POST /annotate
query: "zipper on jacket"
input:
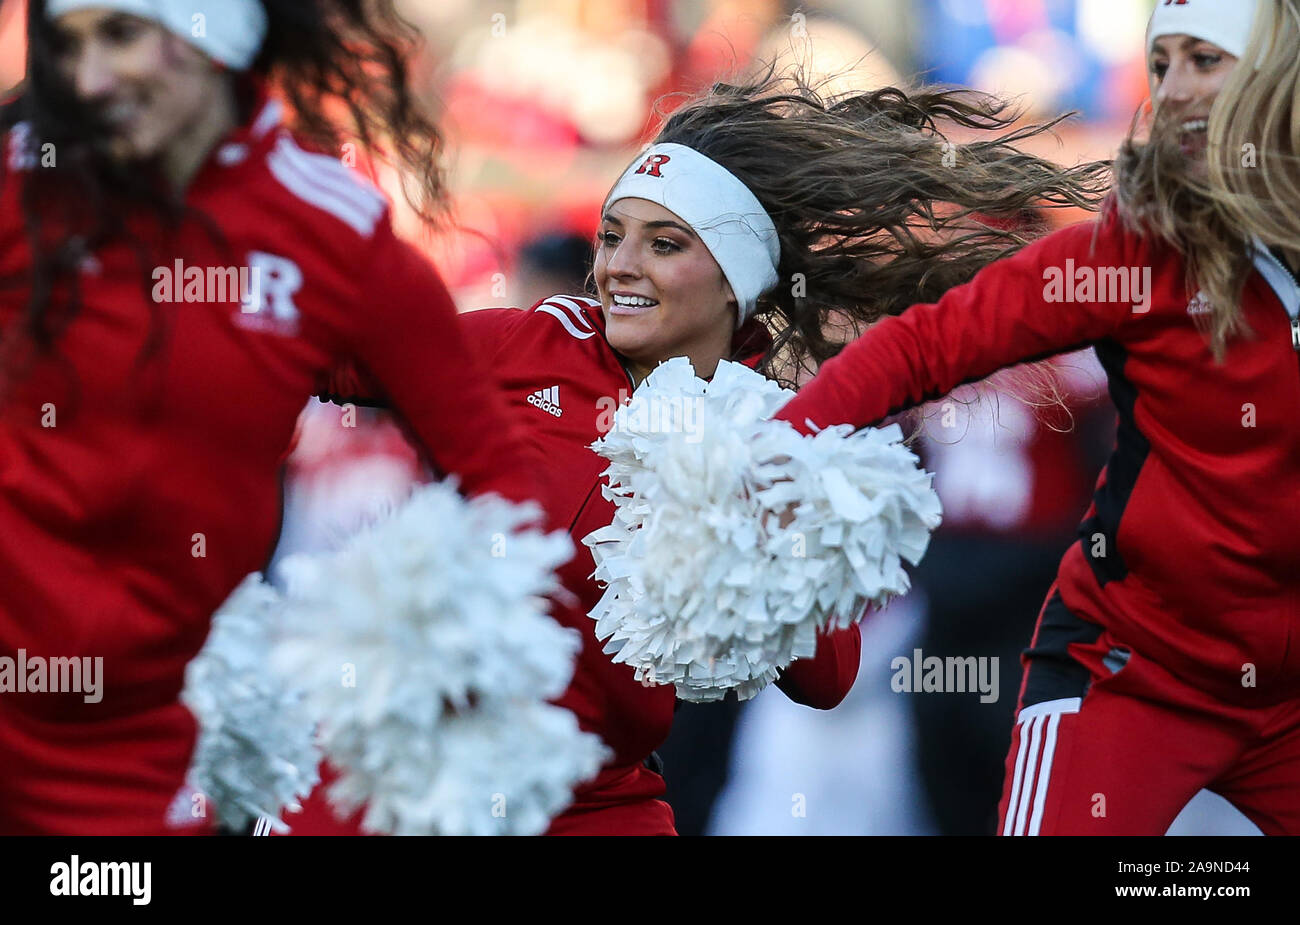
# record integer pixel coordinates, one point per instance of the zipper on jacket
(1273, 258)
(1294, 279)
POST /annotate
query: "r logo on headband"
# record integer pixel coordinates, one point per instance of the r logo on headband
(728, 218)
(650, 166)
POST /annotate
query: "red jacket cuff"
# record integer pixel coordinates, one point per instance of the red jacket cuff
(823, 681)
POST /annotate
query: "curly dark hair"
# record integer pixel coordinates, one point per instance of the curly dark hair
(875, 208)
(340, 66)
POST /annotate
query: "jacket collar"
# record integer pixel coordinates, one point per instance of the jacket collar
(1276, 274)
(249, 142)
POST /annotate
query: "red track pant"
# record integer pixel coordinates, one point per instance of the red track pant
(1107, 742)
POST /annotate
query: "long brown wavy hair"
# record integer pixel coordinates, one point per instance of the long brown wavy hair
(1253, 182)
(341, 66)
(875, 207)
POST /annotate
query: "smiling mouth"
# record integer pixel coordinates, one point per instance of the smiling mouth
(120, 115)
(1194, 143)
(1192, 135)
(625, 304)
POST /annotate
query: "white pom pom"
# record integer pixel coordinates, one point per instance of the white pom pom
(705, 590)
(502, 768)
(256, 753)
(426, 647)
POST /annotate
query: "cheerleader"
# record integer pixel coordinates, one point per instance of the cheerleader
(1166, 655)
(749, 231)
(181, 268)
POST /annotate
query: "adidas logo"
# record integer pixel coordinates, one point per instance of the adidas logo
(547, 399)
(1200, 305)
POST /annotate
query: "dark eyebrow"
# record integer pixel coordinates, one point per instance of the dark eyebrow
(662, 224)
(680, 227)
(118, 16)
(58, 34)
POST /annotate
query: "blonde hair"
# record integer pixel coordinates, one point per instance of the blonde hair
(1253, 186)
(1254, 143)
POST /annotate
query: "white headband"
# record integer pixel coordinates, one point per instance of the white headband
(1226, 23)
(719, 208)
(228, 31)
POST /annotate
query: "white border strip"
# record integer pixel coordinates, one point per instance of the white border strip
(1031, 778)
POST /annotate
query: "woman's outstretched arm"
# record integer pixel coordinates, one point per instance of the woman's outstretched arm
(413, 345)
(1013, 311)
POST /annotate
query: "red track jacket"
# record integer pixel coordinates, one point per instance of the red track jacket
(1190, 551)
(560, 373)
(137, 490)
(556, 367)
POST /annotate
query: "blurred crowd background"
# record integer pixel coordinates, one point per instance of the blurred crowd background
(543, 103)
